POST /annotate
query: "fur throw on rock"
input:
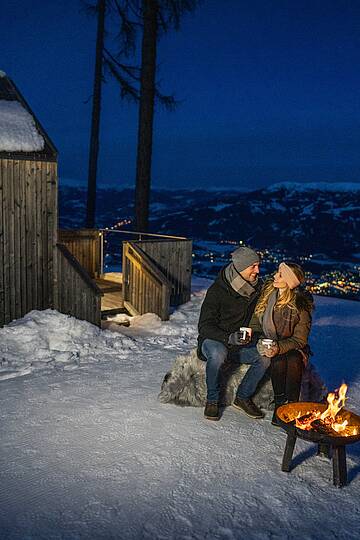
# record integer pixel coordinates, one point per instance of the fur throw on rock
(185, 384)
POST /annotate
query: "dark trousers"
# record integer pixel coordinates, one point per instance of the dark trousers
(286, 374)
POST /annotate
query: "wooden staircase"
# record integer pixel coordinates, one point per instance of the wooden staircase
(112, 301)
(156, 275)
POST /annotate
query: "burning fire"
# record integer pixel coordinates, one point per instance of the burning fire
(328, 419)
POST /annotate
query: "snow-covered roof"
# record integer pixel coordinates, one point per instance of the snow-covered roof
(18, 132)
(21, 134)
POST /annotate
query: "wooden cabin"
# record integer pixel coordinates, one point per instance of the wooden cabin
(28, 208)
(35, 271)
(41, 267)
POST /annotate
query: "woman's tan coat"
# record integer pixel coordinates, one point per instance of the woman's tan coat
(292, 325)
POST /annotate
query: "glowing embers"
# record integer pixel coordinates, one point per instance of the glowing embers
(331, 420)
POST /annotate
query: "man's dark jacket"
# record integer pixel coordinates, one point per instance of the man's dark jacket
(224, 311)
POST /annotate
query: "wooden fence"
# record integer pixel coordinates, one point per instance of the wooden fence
(85, 245)
(174, 259)
(28, 228)
(76, 293)
(145, 287)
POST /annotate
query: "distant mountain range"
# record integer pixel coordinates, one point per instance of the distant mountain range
(306, 218)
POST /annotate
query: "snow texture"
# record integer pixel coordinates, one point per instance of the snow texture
(2, 73)
(18, 131)
(89, 452)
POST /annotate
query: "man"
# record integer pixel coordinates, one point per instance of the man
(229, 304)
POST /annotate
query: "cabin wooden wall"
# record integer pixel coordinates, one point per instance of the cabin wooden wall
(28, 231)
(174, 259)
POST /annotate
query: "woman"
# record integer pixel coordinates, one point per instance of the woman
(284, 312)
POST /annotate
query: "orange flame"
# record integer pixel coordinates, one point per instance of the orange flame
(336, 401)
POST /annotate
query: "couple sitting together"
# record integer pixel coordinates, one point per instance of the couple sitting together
(277, 320)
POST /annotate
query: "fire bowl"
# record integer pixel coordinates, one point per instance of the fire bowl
(289, 412)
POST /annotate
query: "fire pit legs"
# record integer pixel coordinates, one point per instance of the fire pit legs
(324, 450)
(289, 450)
(312, 422)
(339, 466)
(338, 458)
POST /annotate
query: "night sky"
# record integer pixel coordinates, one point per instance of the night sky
(269, 92)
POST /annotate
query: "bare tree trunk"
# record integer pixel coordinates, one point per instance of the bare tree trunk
(146, 114)
(95, 119)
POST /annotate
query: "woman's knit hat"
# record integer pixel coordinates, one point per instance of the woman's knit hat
(289, 276)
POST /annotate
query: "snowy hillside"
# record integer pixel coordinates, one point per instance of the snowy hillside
(336, 187)
(286, 216)
(87, 450)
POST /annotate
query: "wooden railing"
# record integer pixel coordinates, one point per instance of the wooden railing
(85, 246)
(145, 287)
(76, 293)
(173, 258)
(172, 255)
(156, 268)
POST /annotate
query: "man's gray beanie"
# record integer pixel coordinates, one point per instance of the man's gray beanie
(244, 257)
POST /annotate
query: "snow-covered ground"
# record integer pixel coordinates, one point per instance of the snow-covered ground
(88, 452)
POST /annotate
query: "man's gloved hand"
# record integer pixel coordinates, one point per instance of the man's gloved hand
(235, 339)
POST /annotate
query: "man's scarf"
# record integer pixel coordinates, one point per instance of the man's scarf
(238, 283)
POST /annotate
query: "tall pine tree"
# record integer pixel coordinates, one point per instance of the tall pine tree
(150, 10)
(95, 118)
(151, 18)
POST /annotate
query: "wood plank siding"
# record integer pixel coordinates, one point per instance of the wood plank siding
(174, 259)
(85, 245)
(28, 229)
(77, 294)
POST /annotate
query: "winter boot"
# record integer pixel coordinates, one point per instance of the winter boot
(249, 407)
(212, 411)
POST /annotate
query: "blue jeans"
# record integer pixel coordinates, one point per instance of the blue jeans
(216, 354)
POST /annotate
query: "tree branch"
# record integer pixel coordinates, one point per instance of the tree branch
(127, 90)
(129, 70)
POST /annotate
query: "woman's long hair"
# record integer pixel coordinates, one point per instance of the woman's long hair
(286, 299)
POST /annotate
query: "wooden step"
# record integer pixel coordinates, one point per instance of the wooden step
(108, 286)
(112, 300)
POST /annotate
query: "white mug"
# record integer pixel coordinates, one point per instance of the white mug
(244, 332)
(267, 342)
